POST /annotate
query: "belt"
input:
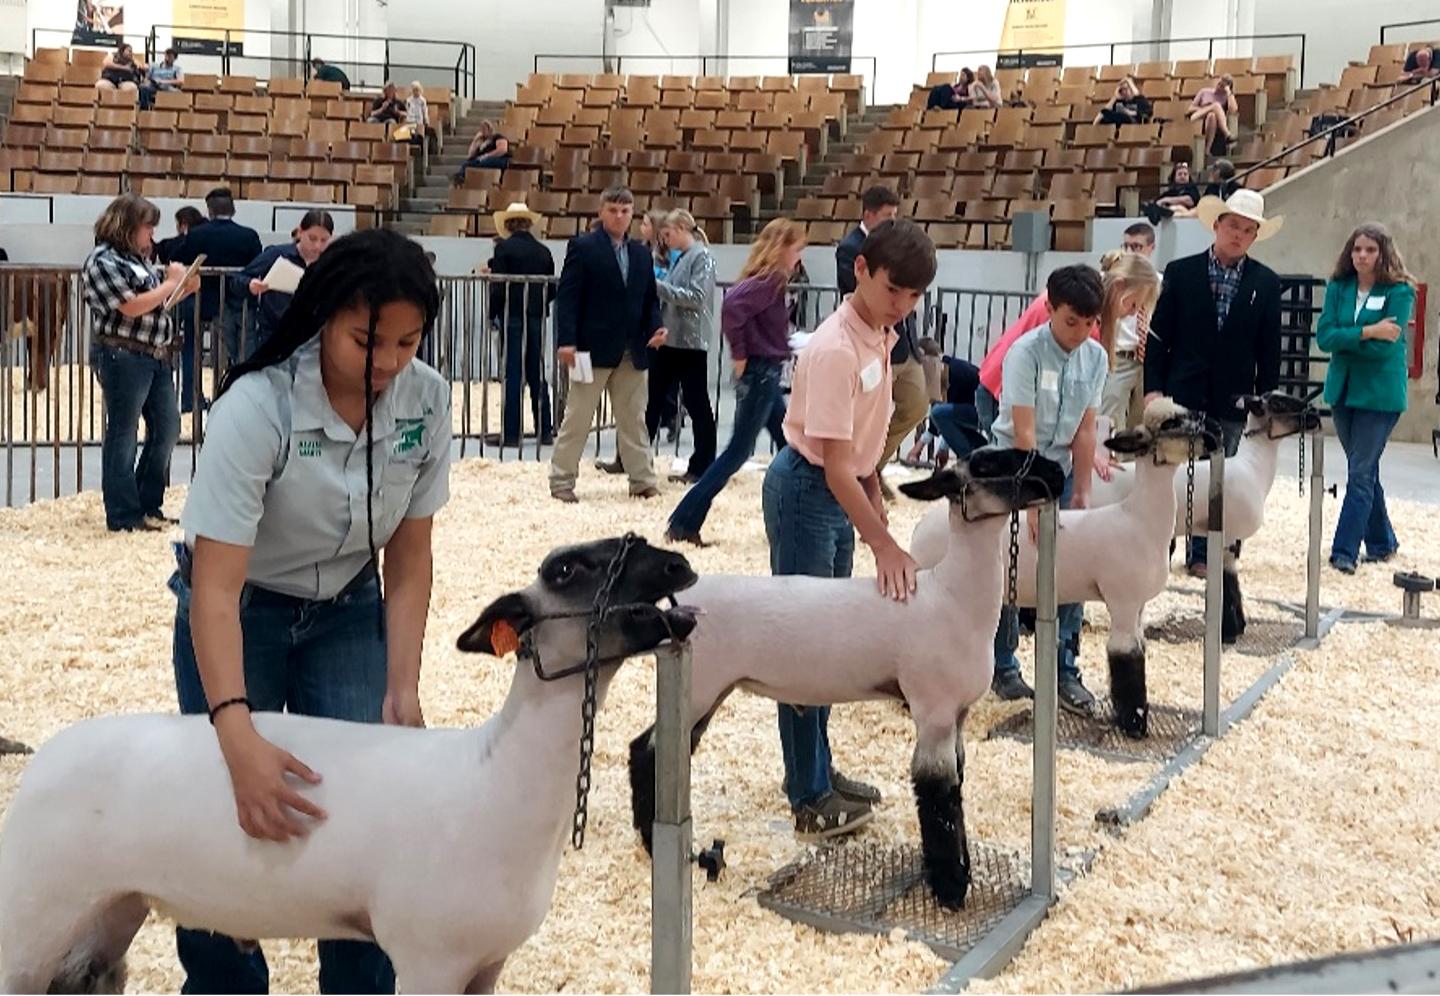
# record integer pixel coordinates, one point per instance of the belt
(274, 599)
(162, 353)
(1126, 354)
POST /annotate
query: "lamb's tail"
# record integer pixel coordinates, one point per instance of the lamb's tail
(81, 971)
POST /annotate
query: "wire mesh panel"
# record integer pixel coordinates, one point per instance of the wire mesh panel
(875, 888)
(1172, 729)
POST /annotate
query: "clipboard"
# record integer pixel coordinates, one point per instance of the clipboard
(190, 271)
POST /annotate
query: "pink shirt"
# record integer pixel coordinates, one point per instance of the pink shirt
(1031, 318)
(841, 390)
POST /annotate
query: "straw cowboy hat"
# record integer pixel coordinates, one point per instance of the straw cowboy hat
(518, 209)
(1247, 204)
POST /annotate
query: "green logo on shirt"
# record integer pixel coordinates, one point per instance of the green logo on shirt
(412, 434)
(309, 447)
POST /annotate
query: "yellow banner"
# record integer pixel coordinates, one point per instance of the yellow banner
(1037, 29)
(200, 24)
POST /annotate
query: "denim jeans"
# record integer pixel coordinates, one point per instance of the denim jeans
(1068, 620)
(809, 534)
(950, 421)
(185, 318)
(1363, 516)
(523, 358)
(313, 659)
(686, 368)
(758, 405)
(482, 162)
(987, 407)
(1196, 553)
(135, 387)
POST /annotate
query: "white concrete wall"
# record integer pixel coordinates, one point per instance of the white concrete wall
(1339, 31)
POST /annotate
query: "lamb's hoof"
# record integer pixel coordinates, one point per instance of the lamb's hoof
(950, 889)
(8, 746)
(1229, 633)
(1134, 722)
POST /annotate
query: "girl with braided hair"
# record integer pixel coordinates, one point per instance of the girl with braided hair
(331, 443)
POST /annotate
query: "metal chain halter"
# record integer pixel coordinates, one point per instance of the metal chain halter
(1190, 494)
(588, 705)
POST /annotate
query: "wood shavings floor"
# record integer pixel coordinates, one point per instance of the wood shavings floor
(1304, 832)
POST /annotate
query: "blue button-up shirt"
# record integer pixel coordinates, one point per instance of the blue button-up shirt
(1224, 284)
(1060, 386)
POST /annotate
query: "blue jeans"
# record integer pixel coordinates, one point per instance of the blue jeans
(809, 533)
(987, 408)
(949, 420)
(1363, 517)
(523, 359)
(313, 659)
(482, 162)
(758, 405)
(1068, 619)
(135, 387)
(1199, 546)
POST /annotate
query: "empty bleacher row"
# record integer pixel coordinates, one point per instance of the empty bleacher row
(283, 140)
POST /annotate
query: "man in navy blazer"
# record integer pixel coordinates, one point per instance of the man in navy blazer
(1215, 334)
(606, 306)
(223, 242)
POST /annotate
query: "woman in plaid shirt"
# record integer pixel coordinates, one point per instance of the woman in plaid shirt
(132, 346)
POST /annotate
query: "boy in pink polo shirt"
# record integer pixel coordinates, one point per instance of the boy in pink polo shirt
(823, 486)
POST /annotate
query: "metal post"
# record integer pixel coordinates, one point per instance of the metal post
(670, 885)
(1317, 525)
(1042, 793)
(1214, 577)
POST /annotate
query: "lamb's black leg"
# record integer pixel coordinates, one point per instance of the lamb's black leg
(944, 847)
(1232, 606)
(1127, 687)
(642, 785)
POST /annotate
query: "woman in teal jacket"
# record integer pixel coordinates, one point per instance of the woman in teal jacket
(1368, 304)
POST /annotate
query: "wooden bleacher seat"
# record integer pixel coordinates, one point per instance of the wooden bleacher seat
(322, 89)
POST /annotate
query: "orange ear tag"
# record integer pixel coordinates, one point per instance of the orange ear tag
(503, 638)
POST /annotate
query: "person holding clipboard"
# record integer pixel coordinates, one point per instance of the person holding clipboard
(133, 346)
(284, 265)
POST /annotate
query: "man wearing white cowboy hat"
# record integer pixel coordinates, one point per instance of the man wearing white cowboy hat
(1215, 334)
(518, 307)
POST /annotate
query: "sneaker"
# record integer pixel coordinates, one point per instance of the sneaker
(830, 816)
(1009, 686)
(650, 492)
(1379, 558)
(143, 526)
(1343, 564)
(1075, 697)
(1197, 570)
(567, 495)
(161, 519)
(850, 789)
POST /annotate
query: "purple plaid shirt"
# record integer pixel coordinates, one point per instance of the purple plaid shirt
(1224, 284)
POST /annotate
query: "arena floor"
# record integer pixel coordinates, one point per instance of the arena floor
(1307, 830)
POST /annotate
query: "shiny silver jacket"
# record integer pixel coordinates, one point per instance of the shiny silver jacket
(687, 299)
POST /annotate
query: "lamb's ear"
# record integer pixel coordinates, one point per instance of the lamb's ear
(1130, 441)
(941, 484)
(498, 627)
(1250, 403)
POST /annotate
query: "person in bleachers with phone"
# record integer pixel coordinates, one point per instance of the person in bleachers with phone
(163, 75)
(1420, 65)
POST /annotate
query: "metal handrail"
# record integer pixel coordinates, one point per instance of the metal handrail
(704, 60)
(1406, 24)
(1112, 45)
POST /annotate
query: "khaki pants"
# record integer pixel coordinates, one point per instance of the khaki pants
(912, 404)
(1123, 399)
(628, 396)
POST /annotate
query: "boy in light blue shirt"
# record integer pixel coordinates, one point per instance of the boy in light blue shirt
(1053, 380)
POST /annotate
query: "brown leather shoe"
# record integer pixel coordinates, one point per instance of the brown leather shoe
(613, 467)
(567, 495)
(650, 492)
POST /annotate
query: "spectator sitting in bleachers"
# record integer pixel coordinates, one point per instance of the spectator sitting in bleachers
(1212, 107)
(1222, 180)
(488, 149)
(326, 73)
(120, 71)
(1126, 107)
(1179, 198)
(951, 96)
(985, 91)
(164, 75)
(417, 110)
(1420, 65)
(387, 108)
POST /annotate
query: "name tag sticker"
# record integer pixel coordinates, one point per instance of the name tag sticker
(1049, 380)
(1375, 302)
(870, 376)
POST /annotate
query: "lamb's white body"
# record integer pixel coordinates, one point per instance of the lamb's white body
(442, 845)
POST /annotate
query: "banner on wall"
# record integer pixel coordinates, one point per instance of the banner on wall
(200, 26)
(1037, 29)
(821, 33)
(98, 22)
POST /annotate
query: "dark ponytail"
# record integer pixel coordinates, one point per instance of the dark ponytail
(373, 267)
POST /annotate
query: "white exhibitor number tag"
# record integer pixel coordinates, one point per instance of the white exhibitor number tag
(870, 376)
(1376, 302)
(1049, 380)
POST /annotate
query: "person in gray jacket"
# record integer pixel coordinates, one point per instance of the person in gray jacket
(687, 302)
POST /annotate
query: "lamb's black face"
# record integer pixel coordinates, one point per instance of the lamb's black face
(649, 573)
(1180, 436)
(993, 481)
(1289, 415)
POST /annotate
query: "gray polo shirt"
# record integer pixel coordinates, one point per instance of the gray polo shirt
(1060, 386)
(281, 473)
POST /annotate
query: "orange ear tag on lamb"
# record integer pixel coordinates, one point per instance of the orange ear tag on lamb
(503, 638)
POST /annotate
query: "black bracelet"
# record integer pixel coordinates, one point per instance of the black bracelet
(239, 700)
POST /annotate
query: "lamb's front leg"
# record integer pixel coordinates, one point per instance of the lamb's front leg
(1126, 652)
(937, 771)
(1232, 607)
(642, 775)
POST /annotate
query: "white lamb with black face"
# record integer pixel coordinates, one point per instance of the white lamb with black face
(442, 846)
(819, 641)
(1117, 554)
